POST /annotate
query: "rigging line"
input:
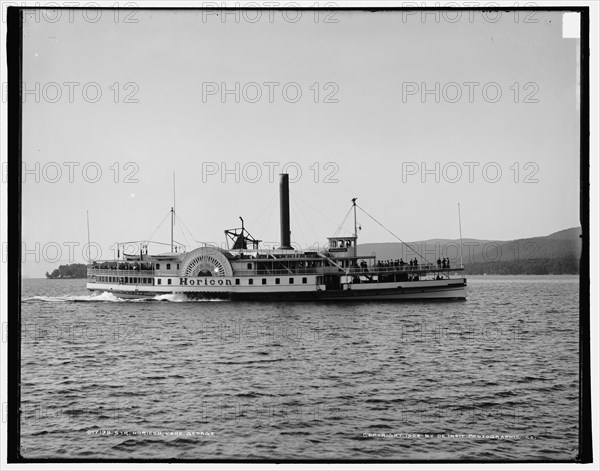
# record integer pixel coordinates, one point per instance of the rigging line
(295, 219)
(392, 234)
(201, 242)
(318, 239)
(312, 207)
(299, 226)
(267, 223)
(267, 206)
(185, 227)
(160, 225)
(182, 226)
(337, 231)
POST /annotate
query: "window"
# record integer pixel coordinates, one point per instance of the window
(159, 281)
(178, 266)
(237, 281)
(168, 266)
(264, 281)
(249, 266)
(291, 281)
(277, 281)
(250, 281)
(131, 279)
(158, 266)
(169, 281)
(304, 281)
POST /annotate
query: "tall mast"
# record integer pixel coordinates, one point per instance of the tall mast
(173, 213)
(460, 233)
(355, 228)
(87, 213)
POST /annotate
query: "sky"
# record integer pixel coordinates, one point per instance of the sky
(408, 114)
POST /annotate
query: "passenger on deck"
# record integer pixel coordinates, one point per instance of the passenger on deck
(439, 263)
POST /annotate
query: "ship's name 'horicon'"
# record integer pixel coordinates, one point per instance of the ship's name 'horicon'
(203, 282)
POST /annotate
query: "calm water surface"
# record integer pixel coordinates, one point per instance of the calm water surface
(112, 379)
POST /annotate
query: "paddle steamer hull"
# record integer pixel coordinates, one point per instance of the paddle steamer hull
(452, 289)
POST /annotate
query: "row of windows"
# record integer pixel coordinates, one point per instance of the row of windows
(136, 280)
(277, 281)
(168, 266)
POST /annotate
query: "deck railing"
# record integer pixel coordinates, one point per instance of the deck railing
(120, 273)
(370, 270)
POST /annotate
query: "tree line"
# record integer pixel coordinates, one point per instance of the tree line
(73, 270)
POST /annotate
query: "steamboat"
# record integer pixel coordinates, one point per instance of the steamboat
(248, 272)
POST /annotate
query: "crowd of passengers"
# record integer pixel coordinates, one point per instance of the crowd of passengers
(443, 263)
(135, 266)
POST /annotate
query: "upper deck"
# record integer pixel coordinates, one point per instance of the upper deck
(259, 263)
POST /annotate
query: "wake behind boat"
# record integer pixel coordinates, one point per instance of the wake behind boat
(247, 272)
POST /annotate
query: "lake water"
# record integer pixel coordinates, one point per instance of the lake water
(494, 377)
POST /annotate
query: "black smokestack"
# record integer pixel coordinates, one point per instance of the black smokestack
(284, 208)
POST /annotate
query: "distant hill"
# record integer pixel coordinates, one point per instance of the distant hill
(556, 253)
(73, 270)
